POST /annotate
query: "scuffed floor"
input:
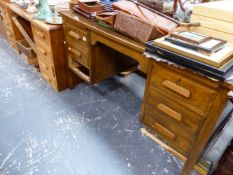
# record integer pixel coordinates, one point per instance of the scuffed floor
(90, 130)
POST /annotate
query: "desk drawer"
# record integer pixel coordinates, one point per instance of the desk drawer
(169, 134)
(187, 92)
(48, 69)
(78, 68)
(44, 54)
(76, 36)
(46, 75)
(41, 36)
(173, 113)
(81, 55)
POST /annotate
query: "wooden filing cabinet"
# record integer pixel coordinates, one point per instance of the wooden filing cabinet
(182, 108)
(91, 63)
(51, 56)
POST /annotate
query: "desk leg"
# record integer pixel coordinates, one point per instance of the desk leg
(206, 131)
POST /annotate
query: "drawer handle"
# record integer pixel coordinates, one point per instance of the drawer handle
(170, 112)
(75, 52)
(42, 51)
(41, 35)
(74, 35)
(164, 131)
(176, 88)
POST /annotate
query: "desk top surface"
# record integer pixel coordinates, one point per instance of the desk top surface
(109, 33)
(29, 17)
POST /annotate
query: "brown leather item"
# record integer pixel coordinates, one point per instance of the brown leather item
(108, 17)
(162, 23)
(81, 12)
(136, 28)
(90, 7)
(154, 4)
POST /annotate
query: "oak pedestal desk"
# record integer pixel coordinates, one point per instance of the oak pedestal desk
(180, 106)
(46, 40)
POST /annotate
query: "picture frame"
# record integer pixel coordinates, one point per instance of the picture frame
(191, 37)
(208, 47)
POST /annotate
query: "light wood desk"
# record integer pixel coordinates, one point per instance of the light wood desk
(46, 40)
(182, 107)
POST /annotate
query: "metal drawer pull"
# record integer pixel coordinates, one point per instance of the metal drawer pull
(74, 35)
(164, 131)
(75, 52)
(170, 112)
(176, 88)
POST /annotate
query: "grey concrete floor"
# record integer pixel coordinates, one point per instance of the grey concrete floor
(90, 130)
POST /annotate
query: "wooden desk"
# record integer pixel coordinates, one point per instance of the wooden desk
(46, 40)
(181, 106)
(108, 37)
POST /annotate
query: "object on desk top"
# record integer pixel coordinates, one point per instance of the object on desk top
(221, 73)
(220, 10)
(44, 10)
(208, 47)
(136, 28)
(90, 7)
(191, 37)
(216, 59)
(79, 11)
(161, 21)
(54, 20)
(108, 17)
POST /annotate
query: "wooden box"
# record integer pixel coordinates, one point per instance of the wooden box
(135, 28)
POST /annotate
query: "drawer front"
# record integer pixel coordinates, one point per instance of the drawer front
(76, 36)
(187, 92)
(44, 54)
(78, 68)
(47, 69)
(169, 135)
(175, 114)
(81, 55)
(47, 77)
(41, 36)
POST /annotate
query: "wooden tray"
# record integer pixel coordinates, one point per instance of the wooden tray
(27, 52)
